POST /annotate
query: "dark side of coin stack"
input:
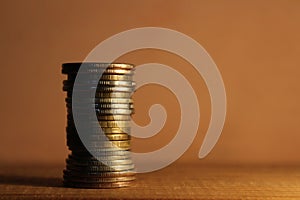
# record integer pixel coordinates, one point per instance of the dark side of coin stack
(113, 106)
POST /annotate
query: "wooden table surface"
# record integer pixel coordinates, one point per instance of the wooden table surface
(179, 181)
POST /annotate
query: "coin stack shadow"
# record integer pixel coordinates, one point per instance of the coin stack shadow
(104, 161)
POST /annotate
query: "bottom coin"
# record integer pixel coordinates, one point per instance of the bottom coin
(74, 184)
(98, 179)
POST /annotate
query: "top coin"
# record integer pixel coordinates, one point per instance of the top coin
(90, 66)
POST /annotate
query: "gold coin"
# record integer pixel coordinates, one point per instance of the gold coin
(107, 145)
(114, 117)
(118, 136)
(115, 130)
(114, 106)
(117, 83)
(109, 65)
(95, 128)
(108, 71)
(111, 144)
(113, 100)
(113, 94)
(114, 111)
(115, 89)
(114, 123)
(119, 71)
(103, 137)
(116, 77)
(121, 65)
(111, 137)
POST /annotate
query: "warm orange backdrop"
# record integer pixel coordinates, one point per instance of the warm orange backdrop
(256, 45)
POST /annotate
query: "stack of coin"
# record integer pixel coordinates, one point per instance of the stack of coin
(102, 159)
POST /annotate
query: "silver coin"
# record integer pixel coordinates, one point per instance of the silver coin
(71, 165)
(99, 158)
(98, 131)
(101, 100)
(100, 174)
(109, 144)
(99, 153)
(98, 179)
(100, 162)
(101, 106)
(73, 184)
(102, 117)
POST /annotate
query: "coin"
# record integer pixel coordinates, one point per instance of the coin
(90, 87)
(115, 89)
(84, 111)
(116, 130)
(116, 77)
(70, 82)
(98, 179)
(102, 100)
(103, 142)
(79, 147)
(98, 130)
(99, 88)
(106, 124)
(99, 174)
(117, 83)
(100, 153)
(111, 137)
(99, 162)
(108, 144)
(101, 105)
(105, 71)
(92, 78)
(115, 117)
(113, 146)
(99, 158)
(114, 111)
(89, 94)
(95, 185)
(102, 117)
(97, 168)
(113, 94)
(95, 128)
(114, 123)
(74, 67)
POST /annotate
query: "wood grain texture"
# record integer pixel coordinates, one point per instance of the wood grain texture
(184, 181)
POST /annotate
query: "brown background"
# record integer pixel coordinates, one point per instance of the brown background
(256, 45)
